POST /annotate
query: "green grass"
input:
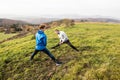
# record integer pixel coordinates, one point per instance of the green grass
(99, 44)
(5, 36)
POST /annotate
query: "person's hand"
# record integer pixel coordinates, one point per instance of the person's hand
(60, 42)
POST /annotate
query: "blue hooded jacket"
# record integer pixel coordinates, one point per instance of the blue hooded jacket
(41, 40)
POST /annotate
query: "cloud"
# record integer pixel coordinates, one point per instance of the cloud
(56, 7)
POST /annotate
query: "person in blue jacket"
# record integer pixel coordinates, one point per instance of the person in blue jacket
(41, 43)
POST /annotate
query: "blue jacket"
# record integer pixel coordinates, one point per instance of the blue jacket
(41, 40)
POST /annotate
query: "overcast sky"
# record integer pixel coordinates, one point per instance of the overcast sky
(59, 7)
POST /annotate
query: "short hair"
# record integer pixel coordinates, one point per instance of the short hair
(42, 26)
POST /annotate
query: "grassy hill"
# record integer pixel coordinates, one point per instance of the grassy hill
(5, 36)
(98, 59)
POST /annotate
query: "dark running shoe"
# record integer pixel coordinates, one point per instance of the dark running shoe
(58, 63)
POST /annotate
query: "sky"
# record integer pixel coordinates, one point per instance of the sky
(38, 8)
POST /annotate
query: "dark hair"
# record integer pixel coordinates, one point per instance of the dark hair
(42, 27)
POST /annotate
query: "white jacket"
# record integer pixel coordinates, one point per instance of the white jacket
(63, 37)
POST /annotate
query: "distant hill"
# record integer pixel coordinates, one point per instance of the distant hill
(46, 20)
(97, 20)
(10, 22)
(38, 20)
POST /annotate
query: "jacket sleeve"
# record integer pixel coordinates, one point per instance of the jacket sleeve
(63, 37)
(45, 40)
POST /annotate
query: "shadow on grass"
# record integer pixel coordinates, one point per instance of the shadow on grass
(85, 48)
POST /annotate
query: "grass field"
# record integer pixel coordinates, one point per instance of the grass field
(5, 36)
(98, 59)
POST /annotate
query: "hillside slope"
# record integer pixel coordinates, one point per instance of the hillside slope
(10, 22)
(5, 36)
(98, 59)
(107, 20)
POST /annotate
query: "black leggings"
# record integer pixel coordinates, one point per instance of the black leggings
(67, 42)
(45, 51)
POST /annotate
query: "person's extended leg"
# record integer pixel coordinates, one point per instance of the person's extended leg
(69, 43)
(33, 54)
(50, 55)
(56, 46)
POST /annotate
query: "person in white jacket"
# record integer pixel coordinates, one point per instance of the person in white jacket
(63, 39)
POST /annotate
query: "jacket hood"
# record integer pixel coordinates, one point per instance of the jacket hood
(40, 32)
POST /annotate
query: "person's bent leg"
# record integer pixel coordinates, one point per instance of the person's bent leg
(33, 54)
(69, 43)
